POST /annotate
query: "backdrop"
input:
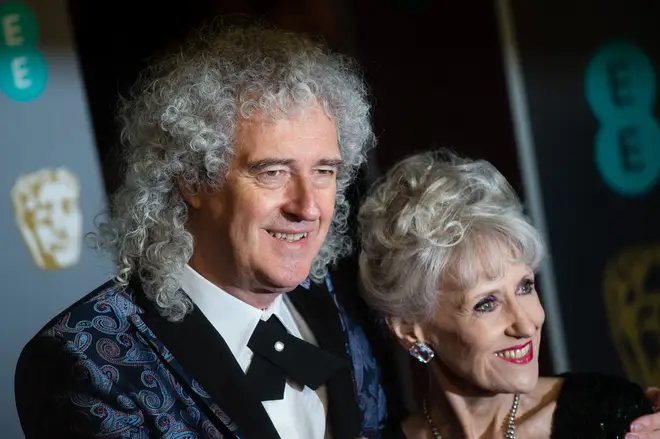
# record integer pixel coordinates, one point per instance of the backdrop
(50, 182)
(583, 82)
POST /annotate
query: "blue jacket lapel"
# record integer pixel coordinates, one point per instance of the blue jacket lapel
(317, 307)
(205, 356)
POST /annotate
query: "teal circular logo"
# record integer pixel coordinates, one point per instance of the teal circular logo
(628, 156)
(620, 88)
(23, 74)
(19, 26)
(23, 70)
(620, 79)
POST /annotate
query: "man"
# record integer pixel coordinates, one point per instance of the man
(239, 151)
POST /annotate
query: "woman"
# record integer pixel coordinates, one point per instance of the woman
(448, 259)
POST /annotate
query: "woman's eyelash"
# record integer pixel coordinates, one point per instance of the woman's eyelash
(489, 303)
(529, 284)
(486, 305)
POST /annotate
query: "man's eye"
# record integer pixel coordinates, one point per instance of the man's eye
(326, 171)
(272, 176)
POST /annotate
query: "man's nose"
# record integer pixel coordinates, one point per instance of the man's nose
(302, 200)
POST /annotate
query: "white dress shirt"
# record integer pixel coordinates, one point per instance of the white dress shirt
(301, 414)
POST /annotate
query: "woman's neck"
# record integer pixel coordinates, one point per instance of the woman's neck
(463, 413)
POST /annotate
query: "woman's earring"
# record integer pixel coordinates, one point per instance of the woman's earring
(421, 352)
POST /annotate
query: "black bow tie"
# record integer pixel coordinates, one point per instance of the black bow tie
(279, 355)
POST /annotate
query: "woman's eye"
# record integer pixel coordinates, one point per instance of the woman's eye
(486, 305)
(527, 287)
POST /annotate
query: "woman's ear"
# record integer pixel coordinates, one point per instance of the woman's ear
(406, 333)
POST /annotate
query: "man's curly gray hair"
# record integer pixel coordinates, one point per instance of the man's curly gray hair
(178, 126)
(439, 222)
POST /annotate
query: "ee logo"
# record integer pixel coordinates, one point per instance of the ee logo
(620, 86)
(23, 72)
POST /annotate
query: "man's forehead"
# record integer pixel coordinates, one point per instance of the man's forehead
(293, 147)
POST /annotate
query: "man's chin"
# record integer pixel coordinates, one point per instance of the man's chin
(283, 284)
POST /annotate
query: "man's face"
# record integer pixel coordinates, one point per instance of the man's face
(261, 231)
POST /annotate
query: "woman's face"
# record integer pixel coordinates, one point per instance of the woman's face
(488, 337)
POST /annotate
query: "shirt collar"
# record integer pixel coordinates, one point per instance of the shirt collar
(234, 319)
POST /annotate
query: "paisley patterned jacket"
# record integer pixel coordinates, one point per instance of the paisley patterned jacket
(110, 366)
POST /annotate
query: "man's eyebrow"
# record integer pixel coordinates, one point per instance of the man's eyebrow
(260, 165)
(334, 163)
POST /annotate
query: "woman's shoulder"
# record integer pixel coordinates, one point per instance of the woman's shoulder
(611, 390)
(597, 405)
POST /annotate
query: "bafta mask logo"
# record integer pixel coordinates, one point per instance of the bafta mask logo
(632, 300)
(47, 211)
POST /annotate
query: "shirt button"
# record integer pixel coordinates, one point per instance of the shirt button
(279, 346)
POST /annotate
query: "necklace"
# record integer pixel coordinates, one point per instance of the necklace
(511, 423)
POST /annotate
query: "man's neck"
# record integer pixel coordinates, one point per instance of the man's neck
(259, 299)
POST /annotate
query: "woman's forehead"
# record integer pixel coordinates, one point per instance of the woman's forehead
(485, 270)
(478, 258)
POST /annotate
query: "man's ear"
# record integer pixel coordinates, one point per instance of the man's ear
(406, 333)
(190, 194)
